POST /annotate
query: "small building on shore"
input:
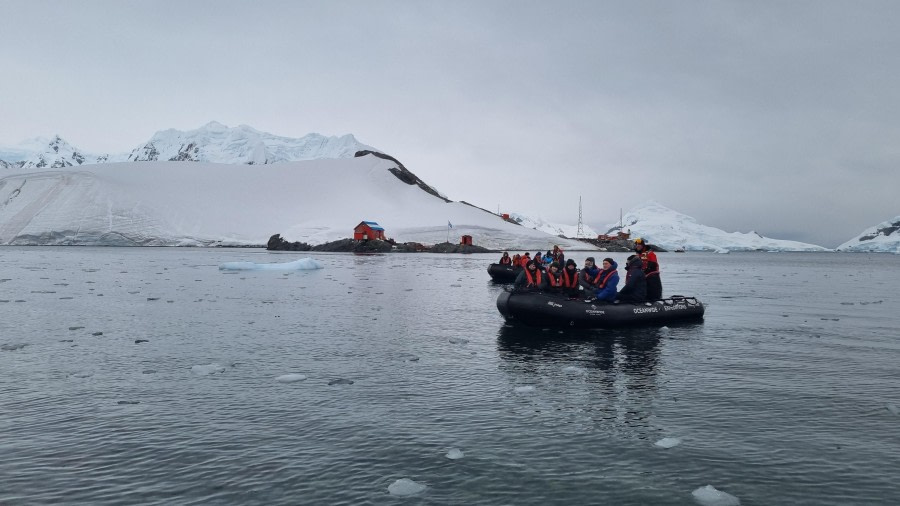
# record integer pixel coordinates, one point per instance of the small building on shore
(368, 230)
(466, 240)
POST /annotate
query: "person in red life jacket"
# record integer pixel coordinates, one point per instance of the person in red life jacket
(650, 266)
(635, 289)
(539, 260)
(554, 278)
(570, 279)
(606, 281)
(558, 255)
(505, 260)
(531, 278)
(516, 260)
(525, 259)
(588, 273)
(645, 251)
(654, 285)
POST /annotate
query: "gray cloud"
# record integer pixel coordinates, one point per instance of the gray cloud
(779, 117)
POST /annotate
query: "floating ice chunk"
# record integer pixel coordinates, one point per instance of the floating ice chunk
(304, 264)
(668, 442)
(892, 408)
(290, 378)
(340, 381)
(405, 487)
(206, 369)
(458, 340)
(455, 453)
(571, 369)
(525, 389)
(722, 251)
(709, 496)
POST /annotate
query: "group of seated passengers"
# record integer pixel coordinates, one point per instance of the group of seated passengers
(642, 280)
(542, 261)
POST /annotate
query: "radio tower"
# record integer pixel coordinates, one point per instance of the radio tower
(580, 232)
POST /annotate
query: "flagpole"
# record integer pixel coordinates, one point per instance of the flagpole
(448, 232)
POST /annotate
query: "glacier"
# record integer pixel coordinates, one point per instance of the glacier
(882, 238)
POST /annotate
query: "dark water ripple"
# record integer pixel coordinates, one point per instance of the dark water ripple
(779, 397)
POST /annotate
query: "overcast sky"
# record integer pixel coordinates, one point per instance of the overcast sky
(776, 116)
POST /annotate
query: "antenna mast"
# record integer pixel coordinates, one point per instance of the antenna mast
(580, 233)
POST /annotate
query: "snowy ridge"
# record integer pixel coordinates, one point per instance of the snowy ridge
(671, 230)
(882, 238)
(551, 228)
(213, 142)
(205, 204)
(217, 143)
(43, 153)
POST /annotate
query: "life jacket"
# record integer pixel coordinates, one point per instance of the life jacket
(568, 282)
(522, 261)
(554, 281)
(647, 255)
(600, 280)
(531, 279)
(505, 260)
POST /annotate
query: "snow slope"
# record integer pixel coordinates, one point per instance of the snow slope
(670, 229)
(171, 203)
(882, 238)
(552, 228)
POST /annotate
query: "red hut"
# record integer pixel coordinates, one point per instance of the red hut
(466, 240)
(368, 230)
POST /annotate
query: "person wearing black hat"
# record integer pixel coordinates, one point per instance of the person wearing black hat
(650, 266)
(570, 279)
(531, 278)
(635, 289)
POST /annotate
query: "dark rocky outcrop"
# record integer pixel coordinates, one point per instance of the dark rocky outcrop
(354, 246)
(402, 173)
(277, 243)
(447, 247)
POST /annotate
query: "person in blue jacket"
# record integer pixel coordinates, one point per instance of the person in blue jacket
(607, 280)
(635, 289)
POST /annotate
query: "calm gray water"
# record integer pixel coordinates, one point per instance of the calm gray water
(787, 393)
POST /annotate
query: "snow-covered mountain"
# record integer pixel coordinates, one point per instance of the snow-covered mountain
(552, 228)
(217, 143)
(172, 203)
(213, 142)
(671, 230)
(884, 238)
(45, 153)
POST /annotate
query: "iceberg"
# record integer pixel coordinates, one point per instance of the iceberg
(710, 496)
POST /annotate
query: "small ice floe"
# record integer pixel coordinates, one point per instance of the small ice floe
(525, 389)
(455, 453)
(206, 369)
(668, 442)
(574, 370)
(12, 347)
(709, 496)
(405, 487)
(892, 408)
(340, 381)
(458, 340)
(722, 251)
(304, 264)
(664, 329)
(408, 357)
(290, 378)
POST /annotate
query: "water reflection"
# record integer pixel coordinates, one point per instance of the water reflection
(607, 376)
